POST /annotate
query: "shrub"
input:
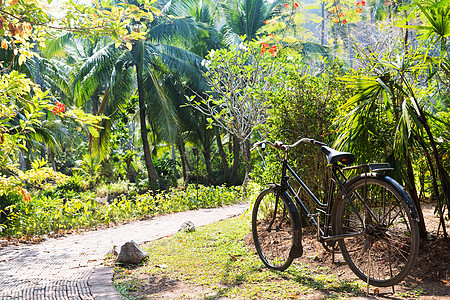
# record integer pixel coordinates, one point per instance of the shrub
(52, 214)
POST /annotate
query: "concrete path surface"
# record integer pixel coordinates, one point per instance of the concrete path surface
(71, 267)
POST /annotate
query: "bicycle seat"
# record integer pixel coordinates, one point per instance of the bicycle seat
(333, 156)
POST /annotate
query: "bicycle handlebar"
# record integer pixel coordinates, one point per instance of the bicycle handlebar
(281, 146)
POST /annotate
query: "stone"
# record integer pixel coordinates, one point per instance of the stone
(131, 253)
(187, 226)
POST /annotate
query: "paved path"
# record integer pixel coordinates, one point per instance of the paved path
(71, 267)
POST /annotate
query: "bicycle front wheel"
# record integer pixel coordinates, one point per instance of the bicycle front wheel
(384, 240)
(272, 222)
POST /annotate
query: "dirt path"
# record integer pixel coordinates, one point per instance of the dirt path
(71, 267)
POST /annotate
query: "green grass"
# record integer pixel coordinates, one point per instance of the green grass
(216, 257)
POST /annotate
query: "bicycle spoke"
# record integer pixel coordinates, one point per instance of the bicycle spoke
(272, 231)
(388, 233)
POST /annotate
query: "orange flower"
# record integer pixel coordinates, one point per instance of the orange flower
(358, 10)
(4, 45)
(25, 195)
(58, 108)
(264, 47)
(273, 50)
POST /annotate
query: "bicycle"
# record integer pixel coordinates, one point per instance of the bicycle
(370, 217)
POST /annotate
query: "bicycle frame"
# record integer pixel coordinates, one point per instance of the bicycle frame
(322, 235)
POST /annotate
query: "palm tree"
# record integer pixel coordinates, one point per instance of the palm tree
(246, 17)
(390, 109)
(112, 67)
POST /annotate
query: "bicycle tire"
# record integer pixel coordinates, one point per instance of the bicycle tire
(388, 247)
(273, 236)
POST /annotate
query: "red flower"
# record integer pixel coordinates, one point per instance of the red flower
(286, 5)
(264, 47)
(58, 108)
(389, 3)
(266, 21)
(273, 50)
(358, 10)
(296, 5)
(358, 4)
(332, 10)
(363, 3)
(344, 21)
(271, 35)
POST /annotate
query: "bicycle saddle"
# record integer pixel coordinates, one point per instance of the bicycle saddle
(333, 156)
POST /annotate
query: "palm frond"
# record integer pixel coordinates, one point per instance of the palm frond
(160, 110)
(94, 72)
(57, 46)
(185, 27)
(182, 62)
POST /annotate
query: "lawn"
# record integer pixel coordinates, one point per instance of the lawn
(215, 262)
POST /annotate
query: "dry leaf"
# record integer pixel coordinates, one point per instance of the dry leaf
(12, 29)
(4, 44)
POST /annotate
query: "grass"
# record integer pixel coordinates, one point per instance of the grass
(215, 262)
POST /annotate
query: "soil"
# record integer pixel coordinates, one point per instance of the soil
(430, 275)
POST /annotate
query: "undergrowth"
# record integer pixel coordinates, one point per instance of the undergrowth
(215, 262)
(54, 213)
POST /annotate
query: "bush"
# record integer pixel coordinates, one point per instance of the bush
(306, 108)
(45, 214)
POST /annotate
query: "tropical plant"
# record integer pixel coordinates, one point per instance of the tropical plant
(390, 114)
(240, 79)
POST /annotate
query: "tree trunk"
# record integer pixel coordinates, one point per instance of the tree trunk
(234, 179)
(207, 154)
(152, 174)
(223, 155)
(246, 157)
(322, 25)
(183, 159)
(435, 185)
(51, 158)
(443, 176)
(411, 188)
(349, 45)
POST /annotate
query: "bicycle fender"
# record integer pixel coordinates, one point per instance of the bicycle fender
(405, 194)
(297, 248)
(393, 183)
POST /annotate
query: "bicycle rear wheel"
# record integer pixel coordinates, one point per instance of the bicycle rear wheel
(272, 230)
(386, 237)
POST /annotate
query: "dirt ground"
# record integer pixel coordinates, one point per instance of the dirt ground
(430, 276)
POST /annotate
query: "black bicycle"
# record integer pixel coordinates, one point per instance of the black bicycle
(370, 216)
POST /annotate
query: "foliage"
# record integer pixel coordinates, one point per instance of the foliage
(70, 209)
(306, 107)
(240, 79)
